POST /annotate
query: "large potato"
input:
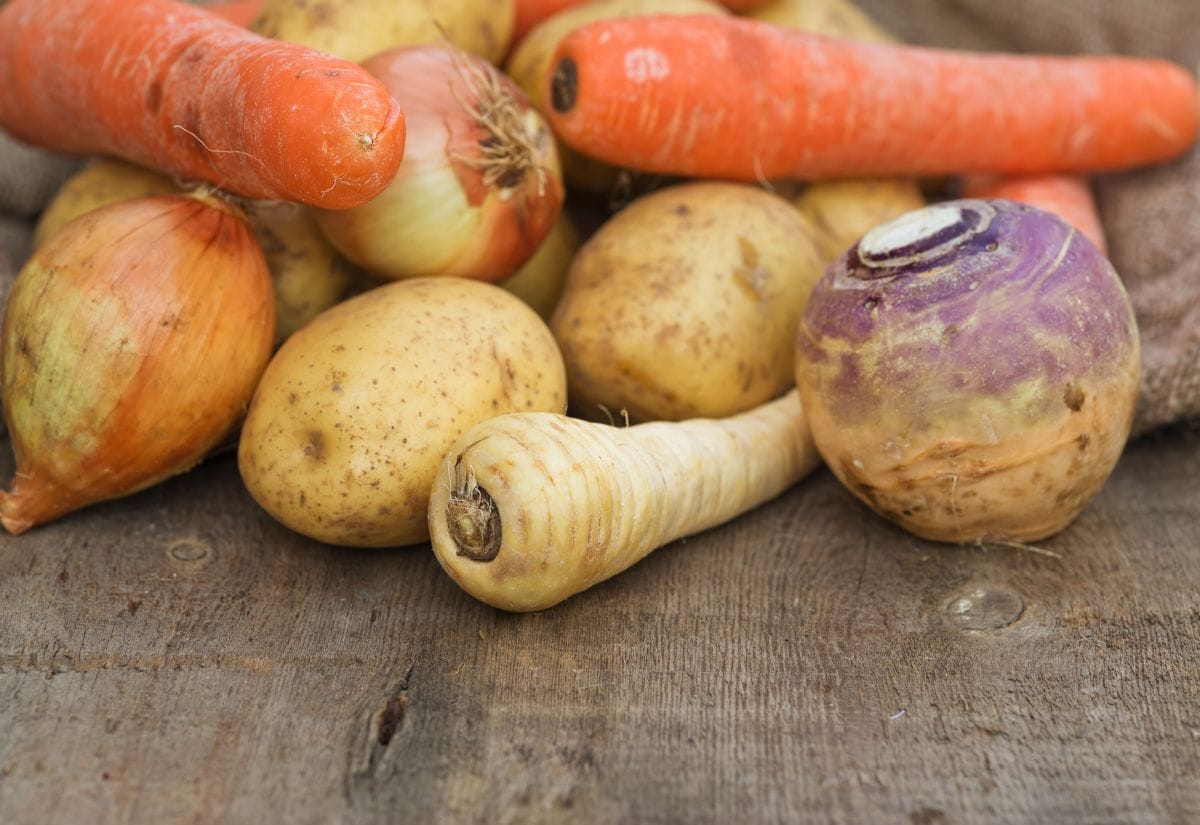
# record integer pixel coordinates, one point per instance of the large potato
(357, 410)
(686, 303)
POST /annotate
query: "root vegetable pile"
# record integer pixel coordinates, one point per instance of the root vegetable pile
(787, 240)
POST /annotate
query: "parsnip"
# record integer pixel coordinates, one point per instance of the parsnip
(531, 508)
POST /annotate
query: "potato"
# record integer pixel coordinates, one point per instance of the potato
(99, 183)
(686, 304)
(358, 29)
(308, 274)
(843, 210)
(357, 410)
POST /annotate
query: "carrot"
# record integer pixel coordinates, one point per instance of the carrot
(737, 98)
(531, 508)
(1067, 196)
(177, 89)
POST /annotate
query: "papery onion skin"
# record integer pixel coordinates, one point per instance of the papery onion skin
(439, 216)
(132, 343)
(981, 391)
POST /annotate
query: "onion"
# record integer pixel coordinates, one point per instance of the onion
(309, 276)
(540, 281)
(479, 186)
(970, 371)
(132, 343)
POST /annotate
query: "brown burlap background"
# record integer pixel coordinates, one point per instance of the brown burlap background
(1151, 216)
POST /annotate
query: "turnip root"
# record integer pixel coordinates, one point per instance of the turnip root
(970, 370)
(531, 508)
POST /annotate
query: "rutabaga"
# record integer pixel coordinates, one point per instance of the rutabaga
(970, 371)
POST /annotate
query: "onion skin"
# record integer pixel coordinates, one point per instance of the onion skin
(453, 210)
(132, 342)
(971, 380)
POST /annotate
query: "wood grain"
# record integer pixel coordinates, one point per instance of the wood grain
(179, 657)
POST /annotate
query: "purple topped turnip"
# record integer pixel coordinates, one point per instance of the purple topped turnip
(970, 371)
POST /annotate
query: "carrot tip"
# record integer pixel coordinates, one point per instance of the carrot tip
(564, 85)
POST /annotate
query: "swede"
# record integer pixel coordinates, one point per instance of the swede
(970, 371)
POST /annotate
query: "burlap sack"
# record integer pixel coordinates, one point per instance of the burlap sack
(1151, 216)
(11, 235)
(29, 176)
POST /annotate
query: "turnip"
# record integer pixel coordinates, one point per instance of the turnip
(970, 371)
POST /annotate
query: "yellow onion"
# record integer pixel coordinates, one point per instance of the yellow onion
(540, 281)
(479, 186)
(309, 276)
(132, 343)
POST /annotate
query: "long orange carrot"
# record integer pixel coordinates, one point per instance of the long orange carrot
(175, 88)
(736, 98)
(1068, 196)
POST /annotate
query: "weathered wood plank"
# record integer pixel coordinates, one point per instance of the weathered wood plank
(178, 657)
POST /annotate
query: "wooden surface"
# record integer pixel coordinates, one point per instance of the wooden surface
(179, 657)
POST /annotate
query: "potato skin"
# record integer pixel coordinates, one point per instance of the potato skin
(357, 29)
(356, 411)
(686, 303)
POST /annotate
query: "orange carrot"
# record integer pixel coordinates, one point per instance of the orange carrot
(175, 88)
(1067, 196)
(736, 98)
(241, 12)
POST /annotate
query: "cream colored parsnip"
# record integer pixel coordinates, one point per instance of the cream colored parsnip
(686, 303)
(529, 509)
(357, 410)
